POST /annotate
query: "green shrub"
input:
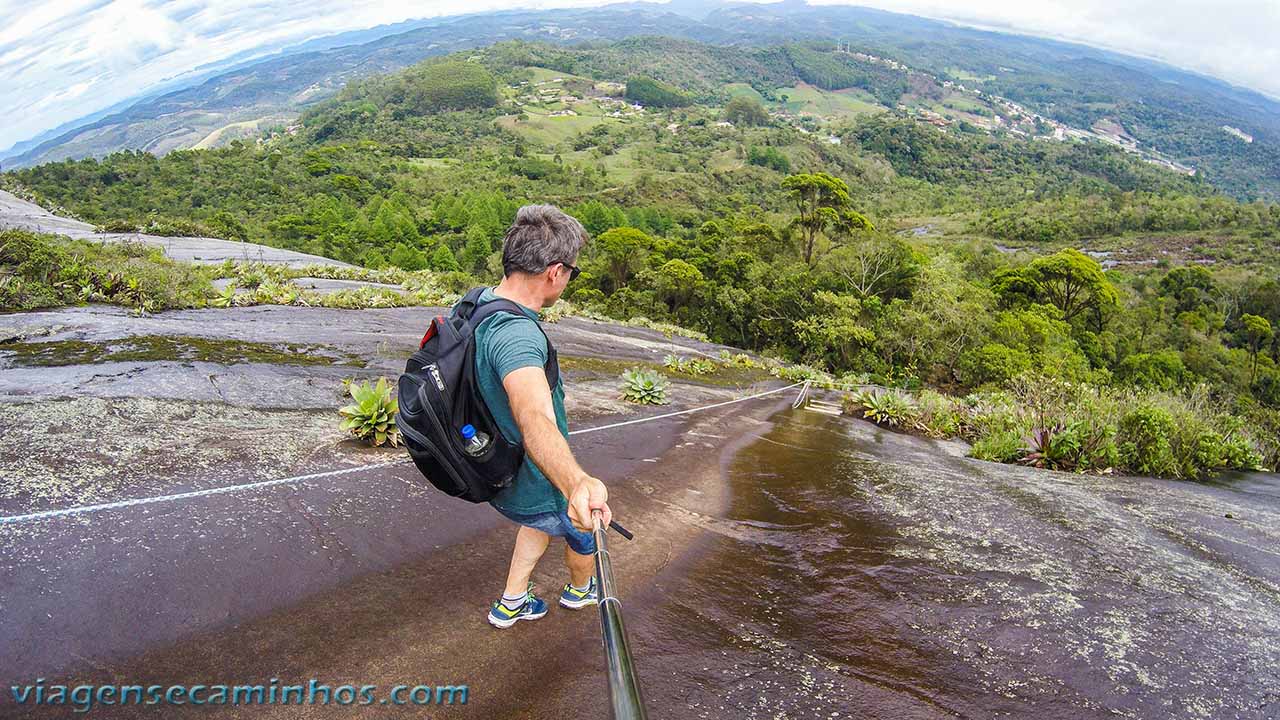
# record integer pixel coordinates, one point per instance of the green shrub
(553, 314)
(1144, 441)
(1202, 450)
(176, 227)
(1238, 453)
(1003, 446)
(648, 91)
(667, 329)
(587, 296)
(993, 363)
(372, 416)
(939, 415)
(740, 360)
(694, 366)
(988, 413)
(1264, 429)
(769, 157)
(644, 387)
(798, 373)
(1093, 438)
(1159, 371)
(50, 270)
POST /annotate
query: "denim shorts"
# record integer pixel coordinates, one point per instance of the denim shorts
(556, 524)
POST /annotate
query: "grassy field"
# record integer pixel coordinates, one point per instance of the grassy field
(815, 101)
(622, 166)
(726, 160)
(244, 129)
(963, 103)
(832, 105)
(550, 131)
(968, 76)
(736, 89)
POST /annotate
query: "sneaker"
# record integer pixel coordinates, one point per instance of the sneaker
(578, 599)
(532, 609)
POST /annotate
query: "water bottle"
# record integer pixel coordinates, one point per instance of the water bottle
(474, 443)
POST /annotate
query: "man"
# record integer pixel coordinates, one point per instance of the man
(551, 495)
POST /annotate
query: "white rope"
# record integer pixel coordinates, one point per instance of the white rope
(804, 393)
(683, 412)
(83, 509)
(184, 496)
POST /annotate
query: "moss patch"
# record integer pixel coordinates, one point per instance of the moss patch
(157, 348)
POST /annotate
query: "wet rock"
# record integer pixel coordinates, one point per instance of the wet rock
(19, 333)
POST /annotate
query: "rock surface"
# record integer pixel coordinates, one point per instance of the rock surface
(16, 213)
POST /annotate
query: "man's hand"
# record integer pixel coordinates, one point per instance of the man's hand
(590, 494)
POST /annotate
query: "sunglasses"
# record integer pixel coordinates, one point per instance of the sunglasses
(573, 271)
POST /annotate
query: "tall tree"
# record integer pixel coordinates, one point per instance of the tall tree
(476, 250)
(883, 266)
(677, 281)
(623, 249)
(822, 203)
(1069, 280)
(746, 110)
(1258, 332)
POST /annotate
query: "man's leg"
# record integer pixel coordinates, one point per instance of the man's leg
(580, 567)
(530, 544)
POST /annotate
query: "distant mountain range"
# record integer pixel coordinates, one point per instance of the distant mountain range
(1197, 121)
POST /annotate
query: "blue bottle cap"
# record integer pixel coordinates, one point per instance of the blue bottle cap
(468, 432)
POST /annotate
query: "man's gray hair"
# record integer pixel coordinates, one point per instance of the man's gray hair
(541, 236)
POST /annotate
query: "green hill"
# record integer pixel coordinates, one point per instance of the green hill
(905, 245)
(1170, 114)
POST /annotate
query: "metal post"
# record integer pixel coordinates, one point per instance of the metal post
(624, 690)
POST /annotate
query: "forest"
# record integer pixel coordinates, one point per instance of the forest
(1062, 304)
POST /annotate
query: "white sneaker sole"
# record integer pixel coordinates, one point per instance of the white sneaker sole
(576, 604)
(508, 623)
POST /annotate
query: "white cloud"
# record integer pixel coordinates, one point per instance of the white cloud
(62, 59)
(123, 47)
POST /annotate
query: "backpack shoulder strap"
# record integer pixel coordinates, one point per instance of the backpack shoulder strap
(493, 307)
(479, 313)
(468, 304)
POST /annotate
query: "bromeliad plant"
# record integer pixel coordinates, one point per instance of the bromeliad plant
(1054, 447)
(226, 298)
(890, 407)
(740, 360)
(644, 387)
(695, 366)
(372, 416)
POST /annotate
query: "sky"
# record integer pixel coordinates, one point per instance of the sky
(63, 59)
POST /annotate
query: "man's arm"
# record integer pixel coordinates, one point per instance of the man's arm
(530, 399)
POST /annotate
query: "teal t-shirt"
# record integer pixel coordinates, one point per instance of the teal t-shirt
(506, 342)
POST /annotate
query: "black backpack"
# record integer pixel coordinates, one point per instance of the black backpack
(438, 394)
